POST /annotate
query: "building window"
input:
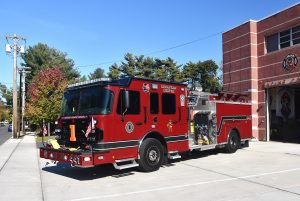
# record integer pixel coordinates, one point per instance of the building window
(272, 42)
(168, 103)
(283, 39)
(296, 35)
(154, 107)
(134, 103)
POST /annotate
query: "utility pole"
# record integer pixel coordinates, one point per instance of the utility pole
(16, 50)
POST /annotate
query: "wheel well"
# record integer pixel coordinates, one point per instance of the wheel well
(157, 136)
(233, 143)
(237, 131)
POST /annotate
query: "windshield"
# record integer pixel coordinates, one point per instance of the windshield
(92, 100)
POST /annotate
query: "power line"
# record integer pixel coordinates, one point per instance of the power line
(158, 51)
(184, 44)
(8, 89)
(98, 64)
(6, 82)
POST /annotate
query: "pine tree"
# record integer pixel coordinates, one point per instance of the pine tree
(128, 67)
(98, 73)
(41, 56)
(114, 72)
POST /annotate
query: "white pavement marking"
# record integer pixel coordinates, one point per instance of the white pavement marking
(183, 186)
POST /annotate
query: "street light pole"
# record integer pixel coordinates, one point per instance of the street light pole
(23, 73)
(23, 100)
(19, 104)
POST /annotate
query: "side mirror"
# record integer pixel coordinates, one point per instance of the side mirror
(126, 99)
(125, 103)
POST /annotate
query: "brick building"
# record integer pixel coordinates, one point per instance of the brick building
(262, 58)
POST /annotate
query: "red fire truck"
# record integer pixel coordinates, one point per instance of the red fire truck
(134, 122)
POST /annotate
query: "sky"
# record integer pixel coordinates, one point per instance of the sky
(96, 33)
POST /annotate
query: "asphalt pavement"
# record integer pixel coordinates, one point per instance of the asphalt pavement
(4, 134)
(264, 171)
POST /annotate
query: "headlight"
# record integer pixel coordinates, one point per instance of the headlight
(57, 130)
(86, 159)
(66, 158)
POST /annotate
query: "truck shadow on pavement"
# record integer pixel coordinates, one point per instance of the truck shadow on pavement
(196, 155)
(108, 170)
(92, 173)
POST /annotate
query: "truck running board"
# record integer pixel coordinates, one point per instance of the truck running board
(202, 147)
(125, 163)
(174, 155)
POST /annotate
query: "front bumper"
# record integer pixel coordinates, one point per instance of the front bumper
(76, 158)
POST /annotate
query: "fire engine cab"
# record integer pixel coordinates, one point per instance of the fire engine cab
(134, 122)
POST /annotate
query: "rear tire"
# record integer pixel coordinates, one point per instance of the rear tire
(233, 142)
(151, 155)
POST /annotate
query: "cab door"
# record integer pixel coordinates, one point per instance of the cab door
(174, 120)
(154, 113)
(130, 119)
(169, 114)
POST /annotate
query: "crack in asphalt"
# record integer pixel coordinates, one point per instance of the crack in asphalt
(291, 154)
(40, 173)
(268, 152)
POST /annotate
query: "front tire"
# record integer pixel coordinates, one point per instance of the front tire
(151, 155)
(233, 142)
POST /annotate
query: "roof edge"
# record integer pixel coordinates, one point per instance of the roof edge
(284, 9)
(268, 16)
(250, 20)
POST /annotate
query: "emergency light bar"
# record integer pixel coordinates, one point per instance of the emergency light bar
(104, 79)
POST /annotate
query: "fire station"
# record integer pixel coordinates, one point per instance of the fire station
(261, 59)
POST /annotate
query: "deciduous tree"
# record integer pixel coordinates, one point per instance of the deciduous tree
(203, 73)
(6, 94)
(4, 112)
(40, 105)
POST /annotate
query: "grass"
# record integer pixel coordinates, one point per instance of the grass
(39, 139)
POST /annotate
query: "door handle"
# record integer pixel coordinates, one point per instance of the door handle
(155, 120)
(138, 123)
(145, 115)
